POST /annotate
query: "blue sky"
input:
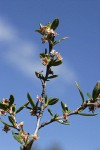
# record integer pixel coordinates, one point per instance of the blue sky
(20, 46)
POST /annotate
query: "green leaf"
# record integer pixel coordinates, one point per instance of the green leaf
(55, 62)
(3, 106)
(39, 75)
(83, 114)
(52, 101)
(56, 42)
(96, 91)
(82, 96)
(14, 108)
(11, 99)
(89, 95)
(22, 107)
(30, 100)
(29, 145)
(55, 117)
(50, 112)
(12, 120)
(5, 123)
(48, 25)
(46, 98)
(21, 148)
(53, 76)
(55, 24)
(16, 137)
(64, 107)
(64, 122)
(42, 55)
(39, 31)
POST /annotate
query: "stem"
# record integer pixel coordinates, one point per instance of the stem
(82, 107)
(29, 145)
(37, 126)
(46, 123)
(50, 46)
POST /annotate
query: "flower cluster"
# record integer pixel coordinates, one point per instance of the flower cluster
(35, 137)
(2, 112)
(47, 33)
(51, 58)
(45, 60)
(7, 106)
(19, 125)
(6, 127)
(55, 53)
(24, 136)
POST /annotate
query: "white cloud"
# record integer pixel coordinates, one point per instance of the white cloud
(7, 33)
(22, 55)
(19, 52)
(66, 73)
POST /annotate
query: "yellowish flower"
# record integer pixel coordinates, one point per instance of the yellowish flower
(65, 116)
(45, 61)
(47, 33)
(2, 112)
(35, 137)
(5, 101)
(24, 136)
(20, 125)
(40, 99)
(59, 57)
(54, 53)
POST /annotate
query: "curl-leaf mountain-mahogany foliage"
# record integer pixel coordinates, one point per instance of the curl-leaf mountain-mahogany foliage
(49, 58)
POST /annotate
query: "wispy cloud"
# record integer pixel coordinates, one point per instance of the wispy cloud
(66, 72)
(19, 52)
(22, 55)
(7, 32)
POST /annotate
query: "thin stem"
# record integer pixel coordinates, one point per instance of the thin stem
(37, 126)
(82, 107)
(50, 46)
(42, 103)
(46, 123)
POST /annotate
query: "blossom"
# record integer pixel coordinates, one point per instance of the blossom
(44, 39)
(19, 125)
(32, 112)
(56, 54)
(59, 57)
(2, 112)
(65, 116)
(24, 136)
(5, 101)
(40, 99)
(47, 33)
(45, 60)
(35, 137)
